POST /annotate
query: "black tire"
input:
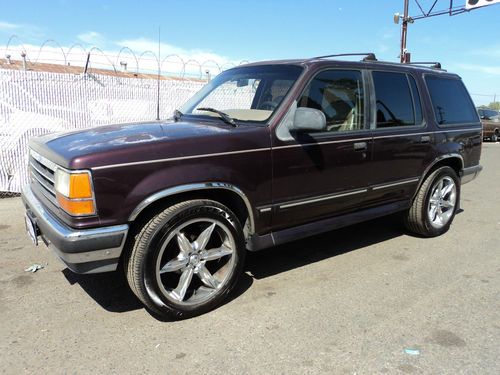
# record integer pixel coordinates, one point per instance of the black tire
(151, 247)
(417, 219)
(494, 137)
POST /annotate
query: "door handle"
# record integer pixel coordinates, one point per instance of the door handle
(360, 146)
(425, 139)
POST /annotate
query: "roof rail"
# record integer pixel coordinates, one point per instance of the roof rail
(369, 56)
(433, 64)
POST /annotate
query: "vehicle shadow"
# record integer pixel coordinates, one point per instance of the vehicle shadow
(111, 290)
(296, 254)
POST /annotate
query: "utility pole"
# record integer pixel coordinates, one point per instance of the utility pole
(404, 56)
(158, 80)
(451, 10)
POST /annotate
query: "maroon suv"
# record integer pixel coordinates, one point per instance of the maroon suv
(264, 154)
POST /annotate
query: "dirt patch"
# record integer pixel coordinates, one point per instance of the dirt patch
(447, 338)
(22, 280)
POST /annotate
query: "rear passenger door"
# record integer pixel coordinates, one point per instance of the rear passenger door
(402, 143)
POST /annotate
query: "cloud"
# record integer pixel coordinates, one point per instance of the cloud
(388, 35)
(91, 37)
(8, 26)
(485, 69)
(383, 48)
(144, 44)
(175, 61)
(492, 51)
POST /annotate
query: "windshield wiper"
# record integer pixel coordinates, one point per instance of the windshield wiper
(177, 115)
(224, 116)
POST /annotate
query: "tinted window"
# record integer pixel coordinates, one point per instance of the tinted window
(395, 100)
(339, 95)
(416, 100)
(450, 100)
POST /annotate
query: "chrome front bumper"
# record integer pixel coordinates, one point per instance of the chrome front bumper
(82, 250)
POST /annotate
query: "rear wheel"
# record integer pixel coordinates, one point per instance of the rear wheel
(187, 259)
(494, 137)
(436, 203)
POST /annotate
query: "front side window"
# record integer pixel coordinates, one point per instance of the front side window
(245, 94)
(339, 95)
(450, 100)
(398, 102)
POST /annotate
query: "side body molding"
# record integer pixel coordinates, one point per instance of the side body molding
(195, 187)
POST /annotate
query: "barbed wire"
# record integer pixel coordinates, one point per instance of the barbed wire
(125, 59)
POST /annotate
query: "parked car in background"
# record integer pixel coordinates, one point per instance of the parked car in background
(264, 154)
(491, 123)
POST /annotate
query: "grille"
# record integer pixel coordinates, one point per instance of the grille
(42, 176)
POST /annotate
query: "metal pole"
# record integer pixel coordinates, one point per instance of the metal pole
(158, 80)
(404, 33)
(86, 64)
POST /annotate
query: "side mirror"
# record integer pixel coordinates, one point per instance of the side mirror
(308, 119)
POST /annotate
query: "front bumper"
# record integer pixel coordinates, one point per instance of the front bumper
(470, 173)
(82, 250)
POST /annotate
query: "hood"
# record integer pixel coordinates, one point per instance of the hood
(125, 142)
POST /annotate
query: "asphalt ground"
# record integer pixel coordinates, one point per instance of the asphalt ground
(368, 299)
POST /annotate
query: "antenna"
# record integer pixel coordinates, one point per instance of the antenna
(158, 80)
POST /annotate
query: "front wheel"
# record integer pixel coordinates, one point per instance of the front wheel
(494, 137)
(187, 259)
(436, 203)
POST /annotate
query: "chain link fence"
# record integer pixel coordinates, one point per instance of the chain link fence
(35, 103)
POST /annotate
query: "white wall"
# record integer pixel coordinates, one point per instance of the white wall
(34, 103)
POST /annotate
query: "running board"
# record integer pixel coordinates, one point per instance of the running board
(264, 241)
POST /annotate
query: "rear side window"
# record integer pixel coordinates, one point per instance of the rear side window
(450, 101)
(398, 101)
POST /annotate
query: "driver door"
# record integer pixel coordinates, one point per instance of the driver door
(322, 174)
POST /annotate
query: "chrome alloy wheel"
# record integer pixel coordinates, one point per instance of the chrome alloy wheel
(195, 261)
(442, 202)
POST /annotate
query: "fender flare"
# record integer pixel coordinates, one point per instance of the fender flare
(195, 187)
(434, 162)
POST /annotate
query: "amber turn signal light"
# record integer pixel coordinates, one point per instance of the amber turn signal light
(74, 192)
(79, 186)
(76, 207)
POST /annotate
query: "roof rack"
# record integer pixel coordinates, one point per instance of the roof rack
(433, 64)
(368, 56)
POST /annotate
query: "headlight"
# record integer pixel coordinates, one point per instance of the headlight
(74, 192)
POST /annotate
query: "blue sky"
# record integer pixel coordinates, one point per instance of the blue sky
(236, 30)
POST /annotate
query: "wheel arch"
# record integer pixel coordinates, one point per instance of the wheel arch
(453, 160)
(225, 193)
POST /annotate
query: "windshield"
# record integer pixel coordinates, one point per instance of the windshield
(245, 94)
